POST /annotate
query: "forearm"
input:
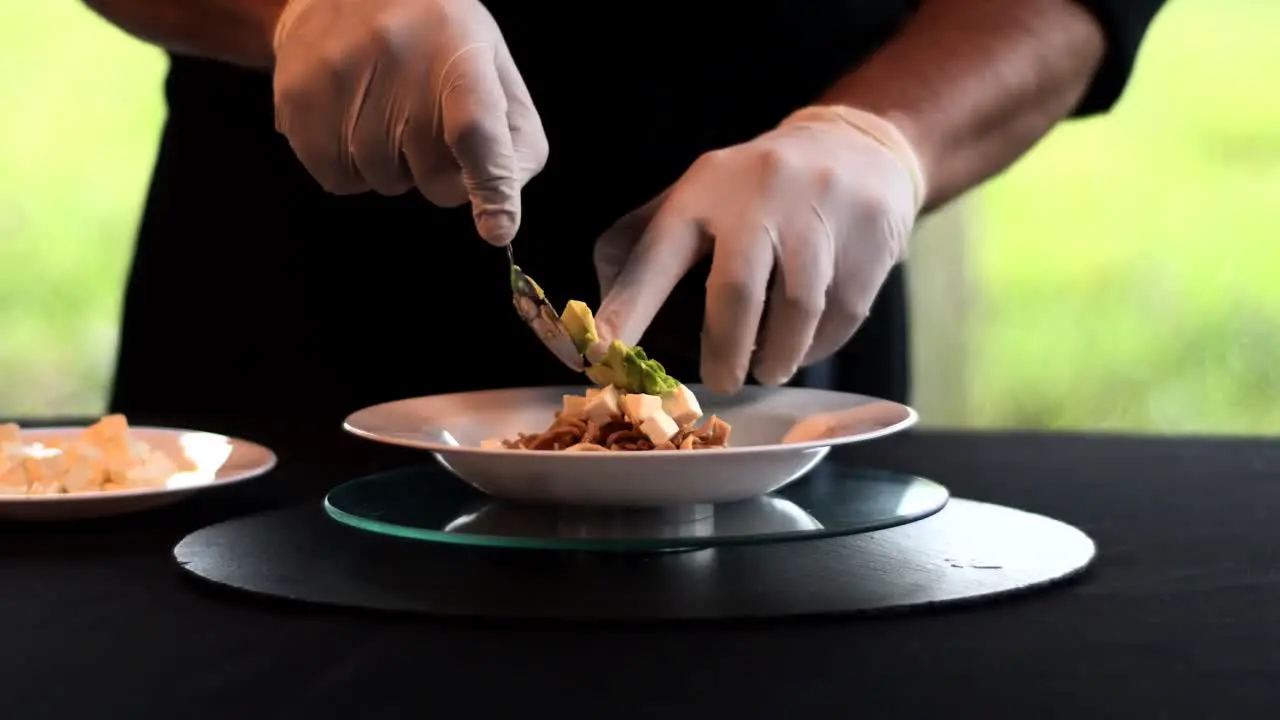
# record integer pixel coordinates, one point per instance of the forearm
(234, 31)
(973, 84)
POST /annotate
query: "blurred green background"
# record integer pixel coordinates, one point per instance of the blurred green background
(1124, 267)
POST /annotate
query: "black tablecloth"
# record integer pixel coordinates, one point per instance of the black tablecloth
(1180, 617)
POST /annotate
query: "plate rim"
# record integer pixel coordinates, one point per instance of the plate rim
(646, 545)
(99, 495)
(912, 418)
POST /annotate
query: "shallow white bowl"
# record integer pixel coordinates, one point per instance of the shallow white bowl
(779, 434)
(218, 460)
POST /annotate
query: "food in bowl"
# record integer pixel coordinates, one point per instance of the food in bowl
(636, 405)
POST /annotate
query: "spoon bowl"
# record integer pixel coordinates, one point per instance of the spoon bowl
(536, 312)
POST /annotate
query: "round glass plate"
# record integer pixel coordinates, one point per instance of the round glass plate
(427, 503)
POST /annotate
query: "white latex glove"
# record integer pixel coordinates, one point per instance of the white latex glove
(386, 95)
(826, 202)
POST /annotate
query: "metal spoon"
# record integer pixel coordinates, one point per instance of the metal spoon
(536, 311)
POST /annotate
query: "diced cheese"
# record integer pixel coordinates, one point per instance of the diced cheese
(104, 456)
(83, 472)
(24, 466)
(575, 406)
(682, 406)
(638, 407)
(659, 427)
(13, 479)
(491, 444)
(154, 470)
(111, 436)
(602, 407)
(42, 475)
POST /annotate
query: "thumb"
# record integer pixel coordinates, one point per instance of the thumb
(474, 115)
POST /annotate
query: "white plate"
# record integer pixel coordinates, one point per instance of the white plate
(779, 434)
(218, 459)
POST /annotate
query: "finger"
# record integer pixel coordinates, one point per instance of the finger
(435, 173)
(474, 118)
(798, 297)
(669, 245)
(615, 245)
(860, 271)
(740, 271)
(427, 149)
(314, 124)
(377, 128)
(431, 164)
(528, 138)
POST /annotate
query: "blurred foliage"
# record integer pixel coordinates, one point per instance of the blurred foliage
(1126, 264)
(81, 112)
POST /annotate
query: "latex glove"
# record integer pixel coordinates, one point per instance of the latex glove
(825, 202)
(386, 95)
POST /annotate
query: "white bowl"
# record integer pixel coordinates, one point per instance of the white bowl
(779, 434)
(217, 459)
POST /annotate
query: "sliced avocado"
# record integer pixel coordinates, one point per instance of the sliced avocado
(627, 368)
(600, 375)
(577, 319)
(631, 370)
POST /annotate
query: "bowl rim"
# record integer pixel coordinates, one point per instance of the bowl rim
(912, 417)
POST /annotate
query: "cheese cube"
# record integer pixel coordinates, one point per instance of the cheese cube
(491, 444)
(682, 406)
(82, 471)
(110, 436)
(638, 407)
(602, 407)
(659, 427)
(42, 475)
(575, 406)
(154, 471)
(14, 479)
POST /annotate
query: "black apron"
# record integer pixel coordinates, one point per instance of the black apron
(255, 292)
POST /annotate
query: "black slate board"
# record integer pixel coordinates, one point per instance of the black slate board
(967, 552)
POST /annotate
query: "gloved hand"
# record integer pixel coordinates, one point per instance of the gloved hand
(386, 95)
(826, 202)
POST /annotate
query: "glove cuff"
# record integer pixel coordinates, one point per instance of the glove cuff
(881, 131)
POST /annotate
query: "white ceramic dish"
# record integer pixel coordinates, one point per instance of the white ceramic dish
(779, 434)
(218, 459)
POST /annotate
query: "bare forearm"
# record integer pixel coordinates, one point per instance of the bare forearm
(975, 83)
(234, 31)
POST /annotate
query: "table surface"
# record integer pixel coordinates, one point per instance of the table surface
(1180, 616)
